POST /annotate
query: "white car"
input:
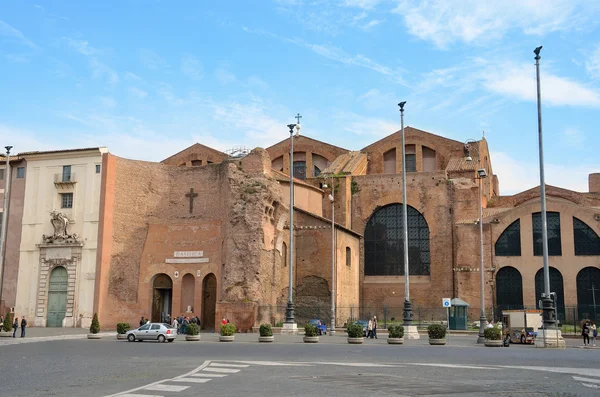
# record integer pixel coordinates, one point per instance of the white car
(152, 331)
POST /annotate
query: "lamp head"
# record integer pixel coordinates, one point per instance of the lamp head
(537, 51)
(8, 149)
(325, 186)
(469, 158)
(401, 104)
(482, 173)
(331, 198)
(291, 127)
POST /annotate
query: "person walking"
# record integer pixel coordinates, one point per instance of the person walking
(370, 328)
(374, 335)
(176, 325)
(15, 327)
(593, 332)
(142, 321)
(585, 332)
(23, 326)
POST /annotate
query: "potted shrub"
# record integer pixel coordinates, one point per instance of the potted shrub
(493, 337)
(7, 326)
(437, 334)
(311, 333)
(94, 328)
(395, 334)
(122, 329)
(192, 332)
(266, 333)
(227, 333)
(355, 334)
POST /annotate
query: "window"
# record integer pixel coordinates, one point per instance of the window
(389, 162)
(509, 289)
(317, 171)
(411, 158)
(429, 164)
(20, 172)
(1, 174)
(554, 243)
(348, 257)
(66, 176)
(284, 255)
(196, 163)
(509, 242)
(97, 168)
(587, 241)
(588, 293)
(66, 200)
(300, 170)
(155, 326)
(384, 242)
(556, 285)
(145, 327)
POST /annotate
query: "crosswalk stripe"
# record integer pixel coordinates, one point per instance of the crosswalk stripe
(139, 395)
(579, 378)
(191, 380)
(209, 375)
(161, 387)
(591, 386)
(223, 370)
(229, 365)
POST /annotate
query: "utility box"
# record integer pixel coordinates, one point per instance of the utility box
(458, 314)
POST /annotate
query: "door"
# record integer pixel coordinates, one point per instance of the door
(57, 297)
(154, 331)
(142, 332)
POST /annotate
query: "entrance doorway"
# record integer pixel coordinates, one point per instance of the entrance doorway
(209, 301)
(162, 297)
(57, 297)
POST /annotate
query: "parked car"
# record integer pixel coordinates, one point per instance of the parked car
(364, 324)
(320, 325)
(152, 331)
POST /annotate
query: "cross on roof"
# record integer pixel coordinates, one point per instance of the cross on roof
(298, 117)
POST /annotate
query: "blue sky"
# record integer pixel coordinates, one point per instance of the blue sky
(149, 78)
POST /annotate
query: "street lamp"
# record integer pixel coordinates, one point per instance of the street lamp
(289, 311)
(332, 199)
(481, 173)
(7, 175)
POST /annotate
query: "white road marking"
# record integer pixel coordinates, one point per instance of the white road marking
(362, 365)
(453, 366)
(163, 387)
(590, 385)
(223, 370)
(191, 380)
(229, 365)
(274, 363)
(558, 370)
(139, 395)
(586, 379)
(209, 375)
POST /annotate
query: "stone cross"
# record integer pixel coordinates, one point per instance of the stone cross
(298, 117)
(191, 196)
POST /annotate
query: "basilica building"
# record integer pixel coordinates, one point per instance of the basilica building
(205, 233)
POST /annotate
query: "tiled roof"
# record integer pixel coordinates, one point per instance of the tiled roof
(61, 151)
(460, 164)
(347, 163)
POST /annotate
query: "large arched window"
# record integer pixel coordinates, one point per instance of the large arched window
(553, 226)
(509, 242)
(556, 285)
(384, 242)
(509, 289)
(588, 293)
(587, 241)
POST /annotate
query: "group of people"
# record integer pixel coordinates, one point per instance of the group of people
(16, 325)
(372, 328)
(589, 332)
(181, 322)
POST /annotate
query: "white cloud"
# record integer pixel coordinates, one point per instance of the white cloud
(364, 4)
(108, 102)
(102, 71)
(191, 67)
(445, 22)
(10, 32)
(370, 24)
(592, 64)
(99, 69)
(81, 46)
(225, 76)
(151, 60)
(573, 137)
(374, 99)
(519, 175)
(132, 77)
(138, 93)
(257, 82)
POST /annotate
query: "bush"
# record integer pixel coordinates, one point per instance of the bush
(192, 329)
(311, 330)
(355, 331)
(122, 328)
(395, 331)
(8, 321)
(266, 330)
(494, 333)
(95, 327)
(436, 331)
(279, 324)
(227, 329)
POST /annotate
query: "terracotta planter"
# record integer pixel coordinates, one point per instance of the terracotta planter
(395, 341)
(94, 336)
(311, 339)
(223, 338)
(493, 343)
(266, 339)
(437, 342)
(192, 338)
(356, 341)
(121, 336)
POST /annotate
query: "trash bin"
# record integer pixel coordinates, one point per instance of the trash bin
(458, 314)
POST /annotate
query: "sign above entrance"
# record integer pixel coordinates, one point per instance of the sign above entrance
(186, 260)
(446, 302)
(188, 254)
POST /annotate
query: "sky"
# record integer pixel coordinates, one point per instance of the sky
(149, 78)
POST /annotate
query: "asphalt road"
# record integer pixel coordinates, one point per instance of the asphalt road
(289, 367)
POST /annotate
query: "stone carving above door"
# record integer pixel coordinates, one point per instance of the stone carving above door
(60, 223)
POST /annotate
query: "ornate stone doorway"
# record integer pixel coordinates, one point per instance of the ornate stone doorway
(57, 297)
(209, 301)
(162, 297)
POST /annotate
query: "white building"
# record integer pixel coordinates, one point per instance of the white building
(57, 263)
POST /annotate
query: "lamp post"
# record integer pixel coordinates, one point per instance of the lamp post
(7, 175)
(548, 313)
(408, 315)
(332, 199)
(481, 173)
(289, 311)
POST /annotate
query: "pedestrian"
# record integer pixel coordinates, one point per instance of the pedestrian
(15, 326)
(176, 325)
(224, 321)
(374, 327)
(593, 332)
(370, 329)
(1, 320)
(168, 319)
(142, 321)
(23, 326)
(585, 332)
(184, 325)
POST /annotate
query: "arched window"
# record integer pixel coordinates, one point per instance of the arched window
(587, 241)
(384, 242)
(316, 171)
(509, 289)
(556, 285)
(300, 170)
(588, 293)
(554, 243)
(348, 257)
(284, 253)
(509, 242)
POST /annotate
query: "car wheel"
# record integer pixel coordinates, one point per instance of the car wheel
(523, 339)
(161, 338)
(131, 337)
